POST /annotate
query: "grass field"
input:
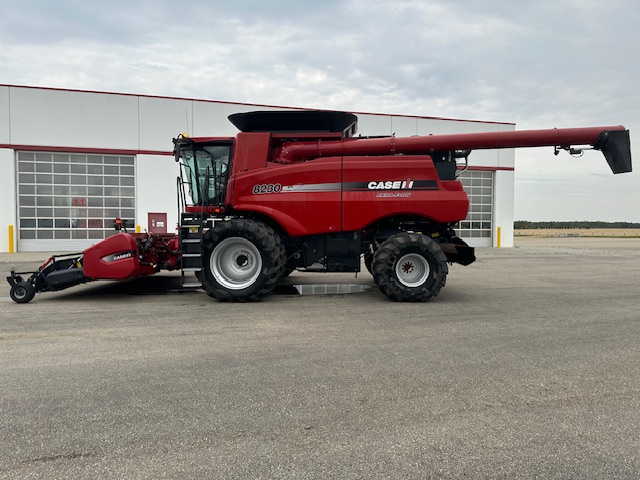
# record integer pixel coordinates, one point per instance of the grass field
(579, 232)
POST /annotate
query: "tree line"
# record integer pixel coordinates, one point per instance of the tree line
(526, 225)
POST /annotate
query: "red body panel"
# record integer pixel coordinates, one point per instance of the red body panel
(251, 151)
(345, 194)
(116, 258)
(307, 200)
(416, 190)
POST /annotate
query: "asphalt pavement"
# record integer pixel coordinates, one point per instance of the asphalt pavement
(525, 366)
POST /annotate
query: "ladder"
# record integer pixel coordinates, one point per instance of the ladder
(191, 232)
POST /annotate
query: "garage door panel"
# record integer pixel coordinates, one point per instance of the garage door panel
(70, 201)
(477, 227)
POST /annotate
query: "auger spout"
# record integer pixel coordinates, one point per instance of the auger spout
(613, 141)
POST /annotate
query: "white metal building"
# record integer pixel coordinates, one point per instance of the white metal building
(72, 161)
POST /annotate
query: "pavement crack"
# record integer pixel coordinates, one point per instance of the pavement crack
(54, 458)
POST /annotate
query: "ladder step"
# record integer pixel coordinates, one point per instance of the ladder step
(191, 255)
(192, 285)
(192, 269)
(190, 240)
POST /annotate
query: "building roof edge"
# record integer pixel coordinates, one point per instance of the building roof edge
(227, 102)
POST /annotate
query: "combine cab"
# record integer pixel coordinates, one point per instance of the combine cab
(295, 190)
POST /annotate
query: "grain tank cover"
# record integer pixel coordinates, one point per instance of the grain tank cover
(308, 121)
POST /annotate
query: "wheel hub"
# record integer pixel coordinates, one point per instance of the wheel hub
(20, 291)
(235, 263)
(408, 267)
(412, 270)
(242, 260)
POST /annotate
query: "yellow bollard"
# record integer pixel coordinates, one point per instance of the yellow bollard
(137, 228)
(11, 239)
(499, 234)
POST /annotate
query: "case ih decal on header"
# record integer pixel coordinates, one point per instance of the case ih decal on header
(294, 190)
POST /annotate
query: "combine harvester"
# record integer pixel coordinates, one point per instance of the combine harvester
(294, 190)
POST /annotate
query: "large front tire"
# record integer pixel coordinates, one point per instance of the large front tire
(243, 260)
(410, 267)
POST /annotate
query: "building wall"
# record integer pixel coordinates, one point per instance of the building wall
(504, 196)
(143, 126)
(7, 199)
(156, 189)
(503, 205)
(73, 119)
(7, 179)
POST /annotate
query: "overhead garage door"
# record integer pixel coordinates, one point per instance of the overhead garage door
(68, 201)
(477, 227)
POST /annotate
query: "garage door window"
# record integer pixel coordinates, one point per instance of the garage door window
(73, 196)
(479, 188)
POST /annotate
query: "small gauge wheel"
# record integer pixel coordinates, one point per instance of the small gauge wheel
(22, 292)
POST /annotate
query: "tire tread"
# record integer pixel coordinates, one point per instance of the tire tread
(270, 246)
(384, 261)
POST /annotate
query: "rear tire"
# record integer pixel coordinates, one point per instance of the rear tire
(243, 260)
(410, 267)
(22, 292)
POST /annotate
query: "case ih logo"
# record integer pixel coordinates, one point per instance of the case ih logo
(118, 256)
(389, 185)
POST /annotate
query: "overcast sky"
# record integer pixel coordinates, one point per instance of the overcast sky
(539, 64)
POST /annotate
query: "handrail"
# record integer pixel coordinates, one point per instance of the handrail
(180, 193)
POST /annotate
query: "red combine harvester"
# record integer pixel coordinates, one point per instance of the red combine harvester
(294, 190)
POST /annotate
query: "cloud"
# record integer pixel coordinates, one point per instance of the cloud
(540, 64)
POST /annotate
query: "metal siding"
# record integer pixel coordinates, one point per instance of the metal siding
(73, 119)
(156, 189)
(371, 125)
(210, 119)
(504, 205)
(5, 122)
(163, 119)
(404, 126)
(429, 126)
(7, 198)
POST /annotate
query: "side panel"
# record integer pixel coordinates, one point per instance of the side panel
(250, 152)
(303, 198)
(115, 258)
(380, 187)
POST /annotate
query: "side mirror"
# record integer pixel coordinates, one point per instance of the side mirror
(176, 149)
(182, 139)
